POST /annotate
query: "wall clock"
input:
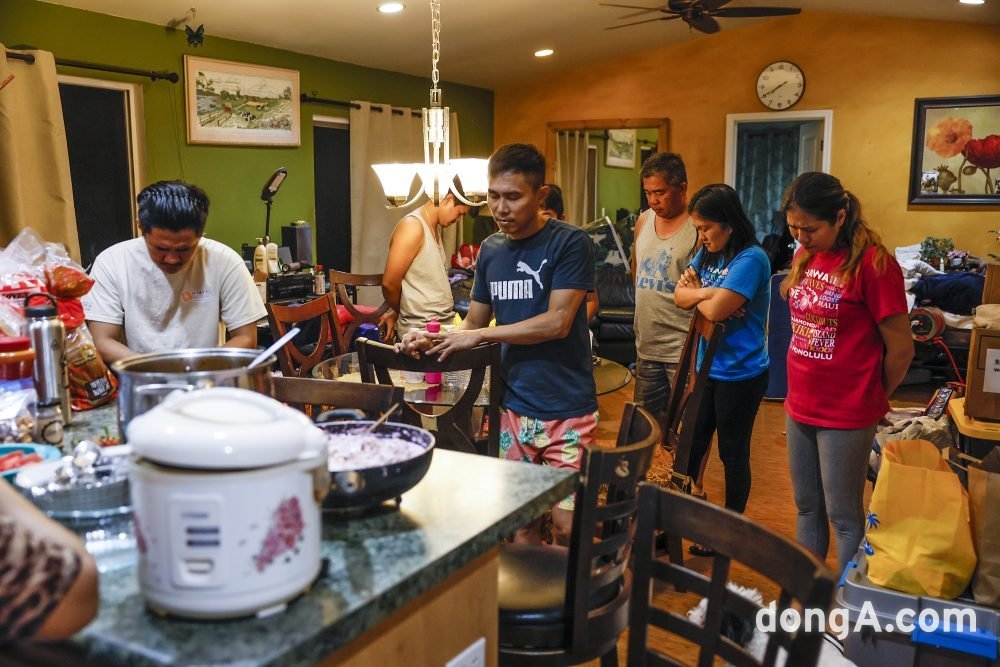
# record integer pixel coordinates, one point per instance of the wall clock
(780, 85)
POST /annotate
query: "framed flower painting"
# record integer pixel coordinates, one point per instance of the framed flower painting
(956, 151)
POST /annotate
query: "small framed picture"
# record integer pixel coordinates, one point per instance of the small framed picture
(240, 104)
(622, 147)
(929, 182)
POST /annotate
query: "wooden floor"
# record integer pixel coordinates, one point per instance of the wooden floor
(770, 503)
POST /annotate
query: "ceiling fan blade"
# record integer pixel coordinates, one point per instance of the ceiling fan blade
(679, 5)
(642, 9)
(703, 23)
(625, 25)
(753, 12)
(712, 5)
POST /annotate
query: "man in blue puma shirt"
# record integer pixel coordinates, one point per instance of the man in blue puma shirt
(533, 275)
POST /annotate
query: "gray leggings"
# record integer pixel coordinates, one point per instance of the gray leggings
(828, 478)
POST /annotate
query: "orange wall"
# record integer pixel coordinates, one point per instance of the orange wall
(868, 70)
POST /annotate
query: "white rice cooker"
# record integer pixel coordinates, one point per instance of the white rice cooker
(226, 486)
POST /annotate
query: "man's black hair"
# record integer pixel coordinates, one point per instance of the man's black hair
(525, 159)
(174, 206)
(668, 166)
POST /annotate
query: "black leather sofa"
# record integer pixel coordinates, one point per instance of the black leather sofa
(612, 327)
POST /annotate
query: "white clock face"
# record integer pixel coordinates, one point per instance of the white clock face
(780, 85)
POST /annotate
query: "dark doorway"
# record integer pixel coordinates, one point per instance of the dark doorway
(97, 136)
(332, 171)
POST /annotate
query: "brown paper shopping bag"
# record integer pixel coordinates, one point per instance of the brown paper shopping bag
(984, 505)
(919, 535)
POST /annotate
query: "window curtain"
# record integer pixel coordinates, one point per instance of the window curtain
(571, 174)
(377, 137)
(767, 162)
(35, 186)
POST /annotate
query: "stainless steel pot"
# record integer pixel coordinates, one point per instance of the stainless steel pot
(143, 380)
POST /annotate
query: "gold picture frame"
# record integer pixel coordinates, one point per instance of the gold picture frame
(239, 104)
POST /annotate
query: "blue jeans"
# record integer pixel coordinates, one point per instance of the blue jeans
(653, 380)
(829, 467)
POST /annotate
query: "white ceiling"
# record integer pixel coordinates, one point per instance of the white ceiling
(488, 43)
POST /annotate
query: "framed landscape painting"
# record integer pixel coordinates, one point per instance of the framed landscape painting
(621, 148)
(240, 104)
(956, 151)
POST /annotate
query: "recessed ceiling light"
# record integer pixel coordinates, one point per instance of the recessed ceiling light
(391, 7)
(972, 2)
(543, 52)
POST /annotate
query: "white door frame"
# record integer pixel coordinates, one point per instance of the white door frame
(136, 138)
(734, 119)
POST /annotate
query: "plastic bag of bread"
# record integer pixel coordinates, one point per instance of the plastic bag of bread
(91, 384)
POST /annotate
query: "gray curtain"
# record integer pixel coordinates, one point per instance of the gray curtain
(766, 163)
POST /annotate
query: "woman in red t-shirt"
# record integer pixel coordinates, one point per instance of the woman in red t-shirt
(850, 348)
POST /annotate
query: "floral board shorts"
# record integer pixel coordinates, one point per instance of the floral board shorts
(555, 443)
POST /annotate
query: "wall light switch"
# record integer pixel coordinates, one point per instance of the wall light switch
(474, 655)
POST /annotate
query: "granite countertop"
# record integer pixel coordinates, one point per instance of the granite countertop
(377, 564)
(91, 424)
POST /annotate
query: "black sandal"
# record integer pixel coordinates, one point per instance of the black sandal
(703, 551)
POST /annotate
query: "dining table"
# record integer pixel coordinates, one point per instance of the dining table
(609, 376)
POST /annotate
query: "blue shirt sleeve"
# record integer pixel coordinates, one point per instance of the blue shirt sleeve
(697, 258)
(480, 283)
(747, 273)
(574, 267)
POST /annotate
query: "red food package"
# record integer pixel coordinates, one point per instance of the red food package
(67, 281)
(91, 384)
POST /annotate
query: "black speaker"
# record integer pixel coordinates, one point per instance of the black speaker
(298, 238)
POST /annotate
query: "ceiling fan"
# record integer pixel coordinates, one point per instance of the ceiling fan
(700, 14)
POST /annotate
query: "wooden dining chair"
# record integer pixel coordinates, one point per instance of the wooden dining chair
(297, 360)
(802, 578)
(686, 394)
(566, 606)
(455, 427)
(340, 284)
(316, 396)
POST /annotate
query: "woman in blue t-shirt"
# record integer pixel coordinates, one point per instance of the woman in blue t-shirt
(729, 279)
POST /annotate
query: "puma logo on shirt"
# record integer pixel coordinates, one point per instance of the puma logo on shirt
(510, 290)
(524, 268)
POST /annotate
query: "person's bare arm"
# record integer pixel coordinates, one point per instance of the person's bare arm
(554, 324)
(79, 605)
(244, 336)
(478, 317)
(108, 341)
(593, 305)
(895, 331)
(404, 245)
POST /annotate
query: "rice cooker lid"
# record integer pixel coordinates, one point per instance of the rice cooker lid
(223, 428)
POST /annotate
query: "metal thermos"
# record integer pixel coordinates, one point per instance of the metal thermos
(48, 338)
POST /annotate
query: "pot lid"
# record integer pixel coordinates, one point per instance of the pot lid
(223, 428)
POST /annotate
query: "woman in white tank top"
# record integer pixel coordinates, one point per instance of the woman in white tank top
(415, 280)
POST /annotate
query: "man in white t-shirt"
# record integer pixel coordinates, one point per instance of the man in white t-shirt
(169, 289)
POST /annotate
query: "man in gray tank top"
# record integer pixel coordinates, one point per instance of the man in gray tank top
(665, 243)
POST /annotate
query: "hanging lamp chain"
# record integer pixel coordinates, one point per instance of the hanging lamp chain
(435, 51)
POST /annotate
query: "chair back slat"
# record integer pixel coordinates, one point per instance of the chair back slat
(455, 428)
(802, 578)
(688, 389)
(313, 396)
(602, 543)
(340, 282)
(291, 358)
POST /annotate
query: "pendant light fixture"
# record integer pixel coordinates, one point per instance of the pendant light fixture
(437, 172)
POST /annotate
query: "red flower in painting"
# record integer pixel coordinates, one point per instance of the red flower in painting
(983, 153)
(949, 136)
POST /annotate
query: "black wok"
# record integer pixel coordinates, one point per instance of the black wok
(366, 487)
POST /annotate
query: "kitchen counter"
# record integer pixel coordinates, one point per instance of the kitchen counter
(382, 567)
(91, 424)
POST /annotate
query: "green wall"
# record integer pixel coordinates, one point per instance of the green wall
(231, 175)
(618, 187)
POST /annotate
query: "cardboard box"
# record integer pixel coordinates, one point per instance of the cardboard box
(991, 289)
(982, 397)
